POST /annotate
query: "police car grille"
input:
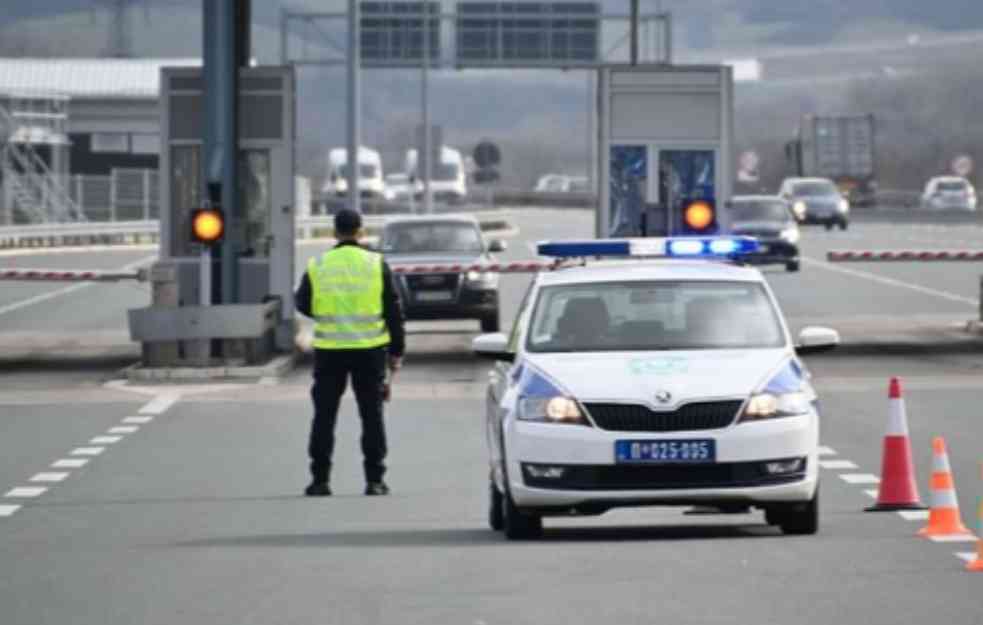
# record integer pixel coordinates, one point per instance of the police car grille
(709, 415)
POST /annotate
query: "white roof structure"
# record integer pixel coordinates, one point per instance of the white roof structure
(86, 78)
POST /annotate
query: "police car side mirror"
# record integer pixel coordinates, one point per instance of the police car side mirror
(816, 339)
(493, 347)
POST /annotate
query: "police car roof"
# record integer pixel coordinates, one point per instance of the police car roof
(639, 270)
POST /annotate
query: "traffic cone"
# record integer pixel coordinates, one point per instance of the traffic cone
(977, 564)
(944, 518)
(898, 488)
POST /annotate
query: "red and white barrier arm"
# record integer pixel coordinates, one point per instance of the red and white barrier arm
(531, 266)
(904, 256)
(68, 275)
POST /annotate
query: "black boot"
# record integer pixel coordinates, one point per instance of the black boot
(376, 488)
(318, 489)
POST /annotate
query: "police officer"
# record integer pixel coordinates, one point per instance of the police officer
(358, 331)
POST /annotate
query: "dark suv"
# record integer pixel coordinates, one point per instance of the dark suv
(443, 240)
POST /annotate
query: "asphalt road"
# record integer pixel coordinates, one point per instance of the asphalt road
(194, 516)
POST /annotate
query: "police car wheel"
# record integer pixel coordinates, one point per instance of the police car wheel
(518, 525)
(800, 518)
(490, 323)
(496, 513)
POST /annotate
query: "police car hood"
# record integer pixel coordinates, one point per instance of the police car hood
(639, 376)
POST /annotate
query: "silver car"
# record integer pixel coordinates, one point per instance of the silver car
(949, 193)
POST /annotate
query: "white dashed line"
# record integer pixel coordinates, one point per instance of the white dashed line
(159, 404)
(105, 440)
(827, 451)
(8, 510)
(837, 464)
(913, 515)
(87, 451)
(872, 493)
(49, 477)
(958, 538)
(860, 478)
(138, 420)
(25, 491)
(69, 463)
(968, 556)
(123, 429)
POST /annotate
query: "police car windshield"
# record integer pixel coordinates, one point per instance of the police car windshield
(429, 238)
(760, 210)
(643, 316)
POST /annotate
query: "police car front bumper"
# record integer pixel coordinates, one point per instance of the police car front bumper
(563, 467)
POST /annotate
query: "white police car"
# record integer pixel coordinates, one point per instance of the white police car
(664, 380)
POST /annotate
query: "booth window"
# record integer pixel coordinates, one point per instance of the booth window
(110, 142)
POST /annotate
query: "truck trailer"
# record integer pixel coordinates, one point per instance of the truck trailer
(840, 148)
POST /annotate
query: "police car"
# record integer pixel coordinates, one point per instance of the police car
(664, 377)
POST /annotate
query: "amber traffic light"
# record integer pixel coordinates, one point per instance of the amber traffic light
(699, 217)
(207, 225)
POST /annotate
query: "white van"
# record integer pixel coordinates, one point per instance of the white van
(371, 182)
(449, 180)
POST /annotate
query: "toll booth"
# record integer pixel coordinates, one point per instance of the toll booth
(266, 194)
(665, 139)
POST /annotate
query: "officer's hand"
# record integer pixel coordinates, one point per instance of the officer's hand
(395, 363)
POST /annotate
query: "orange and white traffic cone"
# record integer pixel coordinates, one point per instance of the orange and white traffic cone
(944, 518)
(977, 564)
(898, 488)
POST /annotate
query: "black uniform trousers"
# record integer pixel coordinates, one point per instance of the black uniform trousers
(367, 368)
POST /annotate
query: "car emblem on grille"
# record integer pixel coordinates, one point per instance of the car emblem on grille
(663, 397)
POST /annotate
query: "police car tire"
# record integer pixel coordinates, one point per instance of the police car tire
(490, 323)
(519, 525)
(496, 512)
(801, 519)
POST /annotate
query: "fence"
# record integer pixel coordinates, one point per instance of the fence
(124, 195)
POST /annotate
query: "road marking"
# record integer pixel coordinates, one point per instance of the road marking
(958, 538)
(8, 510)
(123, 429)
(968, 556)
(827, 451)
(138, 420)
(913, 515)
(49, 477)
(26, 491)
(873, 494)
(43, 297)
(87, 451)
(890, 282)
(860, 478)
(69, 463)
(159, 404)
(105, 440)
(837, 464)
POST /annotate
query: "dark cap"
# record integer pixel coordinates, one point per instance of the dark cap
(347, 222)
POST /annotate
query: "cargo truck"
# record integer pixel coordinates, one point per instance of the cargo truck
(840, 148)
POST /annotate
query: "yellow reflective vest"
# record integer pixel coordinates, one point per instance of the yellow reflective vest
(346, 299)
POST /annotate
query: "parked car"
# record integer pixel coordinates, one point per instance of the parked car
(769, 219)
(949, 193)
(816, 200)
(371, 183)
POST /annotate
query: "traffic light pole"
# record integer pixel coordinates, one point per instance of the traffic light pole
(354, 106)
(205, 277)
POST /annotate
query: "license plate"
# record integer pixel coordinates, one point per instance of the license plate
(434, 296)
(690, 451)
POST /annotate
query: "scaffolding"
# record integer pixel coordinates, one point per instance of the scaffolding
(34, 160)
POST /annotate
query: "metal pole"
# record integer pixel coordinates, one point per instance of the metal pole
(354, 106)
(428, 150)
(591, 130)
(667, 39)
(205, 277)
(284, 16)
(634, 32)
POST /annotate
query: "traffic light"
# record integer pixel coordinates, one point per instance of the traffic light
(699, 217)
(207, 225)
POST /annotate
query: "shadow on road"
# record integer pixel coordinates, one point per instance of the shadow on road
(453, 537)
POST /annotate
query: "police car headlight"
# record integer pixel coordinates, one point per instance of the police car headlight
(790, 234)
(774, 405)
(550, 410)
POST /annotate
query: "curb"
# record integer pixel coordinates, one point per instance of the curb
(278, 367)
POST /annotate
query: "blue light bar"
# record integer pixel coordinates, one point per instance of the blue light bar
(674, 247)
